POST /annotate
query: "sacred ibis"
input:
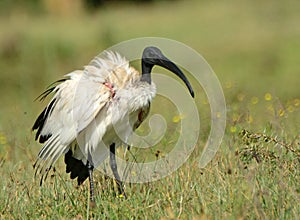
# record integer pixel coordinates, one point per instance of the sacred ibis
(87, 105)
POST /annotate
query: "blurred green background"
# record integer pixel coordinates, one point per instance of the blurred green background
(253, 47)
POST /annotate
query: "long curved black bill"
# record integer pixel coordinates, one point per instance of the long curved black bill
(153, 56)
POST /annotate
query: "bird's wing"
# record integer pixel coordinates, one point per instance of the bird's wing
(77, 101)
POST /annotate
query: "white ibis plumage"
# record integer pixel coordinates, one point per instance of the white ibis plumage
(87, 106)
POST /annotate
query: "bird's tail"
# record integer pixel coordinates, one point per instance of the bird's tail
(76, 168)
(47, 157)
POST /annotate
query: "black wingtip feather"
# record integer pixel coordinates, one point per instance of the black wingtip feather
(76, 168)
(40, 122)
(44, 138)
(50, 89)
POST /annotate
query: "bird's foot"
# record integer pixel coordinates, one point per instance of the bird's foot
(92, 204)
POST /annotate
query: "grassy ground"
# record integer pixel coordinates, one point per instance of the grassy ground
(254, 49)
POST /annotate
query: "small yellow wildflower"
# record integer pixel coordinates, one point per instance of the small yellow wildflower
(228, 85)
(121, 196)
(296, 102)
(233, 129)
(177, 118)
(3, 139)
(290, 108)
(268, 96)
(281, 112)
(254, 100)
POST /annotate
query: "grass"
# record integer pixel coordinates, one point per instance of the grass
(254, 49)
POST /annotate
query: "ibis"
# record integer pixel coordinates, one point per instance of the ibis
(88, 107)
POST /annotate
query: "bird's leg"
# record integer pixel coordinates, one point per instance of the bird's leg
(113, 165)
(90, 170)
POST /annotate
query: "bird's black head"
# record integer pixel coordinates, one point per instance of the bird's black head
(153, 56)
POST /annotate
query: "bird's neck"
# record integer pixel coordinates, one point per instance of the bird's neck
(146, 77)
(146, 72)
